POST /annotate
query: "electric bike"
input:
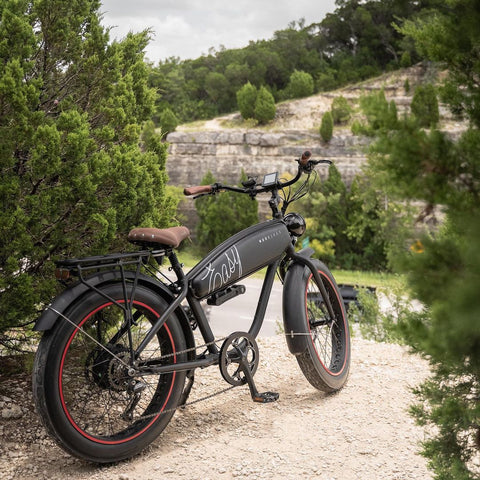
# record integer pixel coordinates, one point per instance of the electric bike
(118, 353)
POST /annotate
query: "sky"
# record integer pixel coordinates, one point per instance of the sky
(189, 28)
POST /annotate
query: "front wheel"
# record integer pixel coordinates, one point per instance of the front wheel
(322, 346)
(86, 391)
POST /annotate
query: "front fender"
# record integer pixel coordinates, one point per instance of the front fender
(62, 302)
(294, 314)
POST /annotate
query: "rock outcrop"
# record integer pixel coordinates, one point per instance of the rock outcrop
(225, 151)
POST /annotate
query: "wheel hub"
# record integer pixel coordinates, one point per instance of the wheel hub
(109, 369)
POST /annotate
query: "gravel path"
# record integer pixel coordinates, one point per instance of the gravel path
(362, 432)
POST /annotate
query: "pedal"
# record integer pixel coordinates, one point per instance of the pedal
(226, 294)
(266, 397)
(257, 397)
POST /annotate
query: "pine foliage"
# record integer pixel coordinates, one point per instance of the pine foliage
(168, 122)
(425, 105)
(414, 164)
(326, 127)
(246, 98)
(75, 175)
(300, 85)
(341, 110)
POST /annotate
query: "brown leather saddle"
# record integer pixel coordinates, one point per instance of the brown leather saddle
(161, 237)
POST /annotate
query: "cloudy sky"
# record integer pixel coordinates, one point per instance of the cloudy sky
(188, 28)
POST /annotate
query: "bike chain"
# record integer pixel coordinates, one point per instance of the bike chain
(187, 350)
(198, 400)
(164, 412)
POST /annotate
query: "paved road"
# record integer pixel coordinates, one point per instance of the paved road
(237, 314)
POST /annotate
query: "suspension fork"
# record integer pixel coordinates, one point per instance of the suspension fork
(318, 280)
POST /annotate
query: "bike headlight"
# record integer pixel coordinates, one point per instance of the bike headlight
(295, 224)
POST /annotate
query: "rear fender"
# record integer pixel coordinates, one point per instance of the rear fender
(62, 302)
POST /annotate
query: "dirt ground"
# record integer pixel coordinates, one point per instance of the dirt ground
(362, 432)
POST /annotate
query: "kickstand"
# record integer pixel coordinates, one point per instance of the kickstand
(265, 397)
(187, 390)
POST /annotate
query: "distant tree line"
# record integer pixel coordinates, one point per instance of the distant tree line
(357, 41)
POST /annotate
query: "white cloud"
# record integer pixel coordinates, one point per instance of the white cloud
(188, 28)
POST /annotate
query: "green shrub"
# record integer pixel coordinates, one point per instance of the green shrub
(357, 128)
(326, 128)
(406, 60)
(324, 251)
(168, 121)
(378, 325)
(326, 81)
(392, 116)
(375, 108)
(264, 106)
(223, 215)
(380, 114)
(148, 131)
(300, 85)
(425, 105)
(341, 110)
(76, 173)
(246, 98)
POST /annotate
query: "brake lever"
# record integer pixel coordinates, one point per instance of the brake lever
(201, 195)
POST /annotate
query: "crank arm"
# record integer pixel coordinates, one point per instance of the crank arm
(265, 397)
(211, 359)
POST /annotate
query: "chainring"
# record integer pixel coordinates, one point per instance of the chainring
(235, 346)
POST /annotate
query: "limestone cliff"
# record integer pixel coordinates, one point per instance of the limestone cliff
(224, 147)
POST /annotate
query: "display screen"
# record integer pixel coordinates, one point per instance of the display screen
(270, 179)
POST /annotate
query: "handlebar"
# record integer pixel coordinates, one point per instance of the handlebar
(198, 190)
(305, 158)
(305, 165)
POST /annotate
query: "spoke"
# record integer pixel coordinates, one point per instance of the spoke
(97, 407)
(79, 329)
(321, 334)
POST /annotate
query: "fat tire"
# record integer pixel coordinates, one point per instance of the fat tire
(54, 348)
(326, 374)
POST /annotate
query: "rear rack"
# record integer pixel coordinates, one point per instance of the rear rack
(76, 266)
(86, 268)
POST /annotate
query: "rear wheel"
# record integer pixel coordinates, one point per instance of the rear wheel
(85, 389)
(326, 359)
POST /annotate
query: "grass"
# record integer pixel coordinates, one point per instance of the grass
(193, 126)
(369, 279)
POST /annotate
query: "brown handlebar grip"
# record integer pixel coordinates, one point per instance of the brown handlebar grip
(197, 190)
(305, 157)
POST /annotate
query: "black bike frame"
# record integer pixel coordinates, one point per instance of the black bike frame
(204, 326)
(263, 245)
